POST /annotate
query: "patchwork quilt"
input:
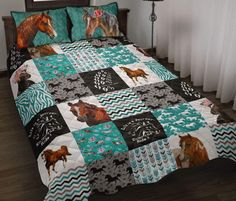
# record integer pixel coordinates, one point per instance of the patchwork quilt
(101, 115)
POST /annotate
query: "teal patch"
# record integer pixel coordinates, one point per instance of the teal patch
(59, 23)
(33, 100)
(160, 70)
(118, 55)
(54, 66)
(182, 118)
(99, 141)
(152, 162)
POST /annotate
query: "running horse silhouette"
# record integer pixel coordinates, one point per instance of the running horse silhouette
(101, 19)
(88, 113)
(28, 29)
(134, 74)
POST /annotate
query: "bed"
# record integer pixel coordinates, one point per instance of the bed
(101, 114)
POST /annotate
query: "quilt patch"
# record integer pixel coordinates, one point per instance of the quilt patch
(44, 127)
(179, 119)
(160, 70)
(121, 104)
(152, 162)
(100, 141)
(111, 174)
(194, 148)
(68, 88)
(76, 46)
(118, 55)
(159, 95)
(225, 139)
(54, 66)
(140, 129)
(136, 74)
(32, 101)
(70, 185)
(184, 90)
(104, 42)
(103, 81)
(82, 113)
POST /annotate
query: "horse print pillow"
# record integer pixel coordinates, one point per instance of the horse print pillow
(40, 28)
(94, 22)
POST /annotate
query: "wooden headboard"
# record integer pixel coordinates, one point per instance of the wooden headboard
(31, 5)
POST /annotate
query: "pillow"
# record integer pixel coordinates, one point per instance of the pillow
(94, 22)
(41, 28)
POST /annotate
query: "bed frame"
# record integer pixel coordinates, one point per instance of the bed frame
(31, 5)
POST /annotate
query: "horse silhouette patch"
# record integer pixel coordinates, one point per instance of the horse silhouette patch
(103, 81)
(140, 129)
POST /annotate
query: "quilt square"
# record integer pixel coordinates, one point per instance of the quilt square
(44, 50)
(136, 74)
(103, 81)
(194, 148)
(224, 136)
(82, 113)
(33, 100)
(152, 162)
(159, 95)
(24, 77)
(211, 112)
(98, 141)
(54, 66)
(160, 70)
(118, 55)
(86, 60)
(68, 88)
(76, 46)
(121, 104)
(104, 42)
(181, 118)
(111, 174)
(44, 127)
(140, 129)
(184, 90)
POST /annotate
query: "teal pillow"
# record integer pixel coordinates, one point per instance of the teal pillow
(94, 22)
(41, 28)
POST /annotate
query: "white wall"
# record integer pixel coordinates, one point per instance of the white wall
(5, 7)
(139, 26)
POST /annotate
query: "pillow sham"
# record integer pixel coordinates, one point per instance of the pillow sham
(41, 28)
(94, 22)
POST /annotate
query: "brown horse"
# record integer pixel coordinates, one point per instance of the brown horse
(28, 29)
(41, 51)
(134, 74)
(101, 19)
(52, 157)
(89, 113)
(193, 153)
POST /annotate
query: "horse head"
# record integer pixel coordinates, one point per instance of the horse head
(79, 109)
(45, 25)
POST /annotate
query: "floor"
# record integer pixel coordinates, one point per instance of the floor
(20, 181)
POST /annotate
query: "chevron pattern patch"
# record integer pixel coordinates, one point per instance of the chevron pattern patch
(76, 46)
(122, 104)
(152, 162)
(71, 185)
(225, 140)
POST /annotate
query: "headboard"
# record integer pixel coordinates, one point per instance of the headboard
(32, 5)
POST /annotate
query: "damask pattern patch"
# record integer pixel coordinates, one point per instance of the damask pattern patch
(152, 162)
(181, 118)
(54, 66)
(32, 101)
(100, 141)
(121, 104)
(140, 129)
(160, 70)
(184, 90)
(111, 174)
(118, 55)
(159, 95)
(103, 81)
(44, 127)
(68, 88)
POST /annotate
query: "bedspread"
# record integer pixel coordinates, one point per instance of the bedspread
(101, 114)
